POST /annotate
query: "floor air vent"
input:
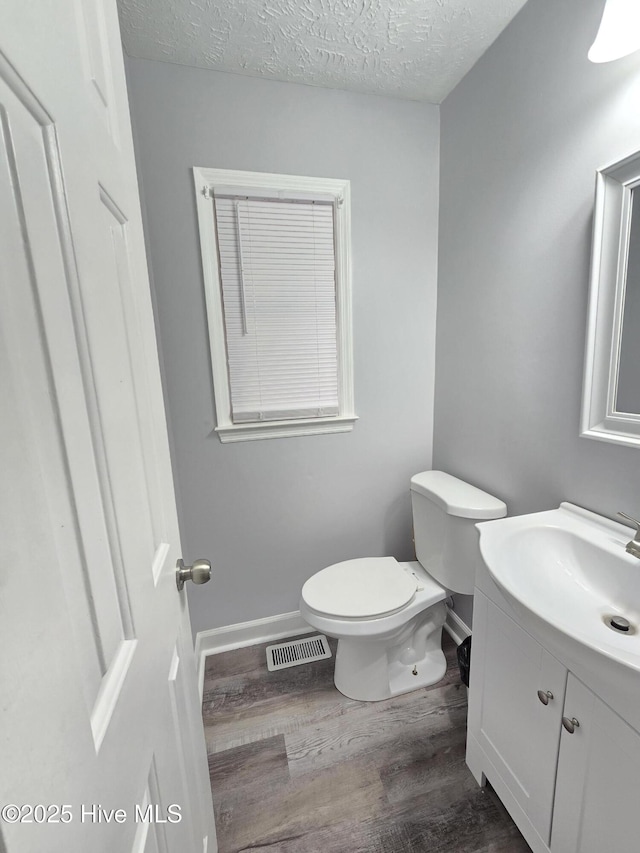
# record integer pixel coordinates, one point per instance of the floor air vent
(296, 652)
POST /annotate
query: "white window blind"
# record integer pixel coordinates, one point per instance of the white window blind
(277, 268)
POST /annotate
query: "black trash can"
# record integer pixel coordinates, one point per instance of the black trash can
(464, 660)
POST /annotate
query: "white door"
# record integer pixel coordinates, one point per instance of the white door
(99, 714)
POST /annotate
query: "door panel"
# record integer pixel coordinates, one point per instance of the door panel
(100, 708)
(93, 40)
(34, 271)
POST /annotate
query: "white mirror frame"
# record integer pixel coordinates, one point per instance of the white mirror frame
(611, 229)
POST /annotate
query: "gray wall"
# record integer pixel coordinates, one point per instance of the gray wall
(271, 513)
(522, 137)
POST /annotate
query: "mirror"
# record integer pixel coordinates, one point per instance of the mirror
(611, 394)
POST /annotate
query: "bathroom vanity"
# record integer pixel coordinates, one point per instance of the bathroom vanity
(554, 705)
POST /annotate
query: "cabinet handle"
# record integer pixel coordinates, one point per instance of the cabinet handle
(544, 696)
(570, 724)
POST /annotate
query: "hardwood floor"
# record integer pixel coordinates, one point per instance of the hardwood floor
(296, 767)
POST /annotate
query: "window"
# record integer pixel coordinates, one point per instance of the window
(275, 252)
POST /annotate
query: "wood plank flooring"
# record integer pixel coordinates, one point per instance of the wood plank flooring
(296, 767)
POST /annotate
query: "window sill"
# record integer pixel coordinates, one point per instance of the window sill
(284, 429)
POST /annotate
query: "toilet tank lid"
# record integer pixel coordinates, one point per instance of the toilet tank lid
(456, 497)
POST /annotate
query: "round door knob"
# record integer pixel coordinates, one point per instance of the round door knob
(570, 724)
(199, 572)
(544, 696)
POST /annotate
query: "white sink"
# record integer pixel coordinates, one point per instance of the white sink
(568, 568)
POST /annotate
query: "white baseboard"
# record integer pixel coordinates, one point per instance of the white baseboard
(242, 634)
(455, 627)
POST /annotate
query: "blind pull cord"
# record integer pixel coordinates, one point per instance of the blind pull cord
(243, 303)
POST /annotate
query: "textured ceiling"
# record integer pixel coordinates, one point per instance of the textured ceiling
(417, 49)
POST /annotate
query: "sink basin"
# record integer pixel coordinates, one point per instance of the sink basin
(568, 568)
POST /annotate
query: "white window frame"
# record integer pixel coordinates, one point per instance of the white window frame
(206, 181)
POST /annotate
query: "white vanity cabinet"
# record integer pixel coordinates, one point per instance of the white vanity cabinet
(567, 792)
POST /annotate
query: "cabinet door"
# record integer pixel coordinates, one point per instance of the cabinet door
(515, 730)
(597, 806)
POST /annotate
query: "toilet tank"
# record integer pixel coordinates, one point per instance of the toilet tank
(445, 512)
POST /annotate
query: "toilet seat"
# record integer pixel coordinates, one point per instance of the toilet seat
(365, 588)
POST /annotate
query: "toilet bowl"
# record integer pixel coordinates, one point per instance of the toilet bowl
(391, 645)
(388, 615)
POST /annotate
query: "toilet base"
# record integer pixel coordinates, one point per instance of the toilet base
(371, 670)
(430, 670)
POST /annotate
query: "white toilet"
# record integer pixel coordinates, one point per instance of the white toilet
(388, 616)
